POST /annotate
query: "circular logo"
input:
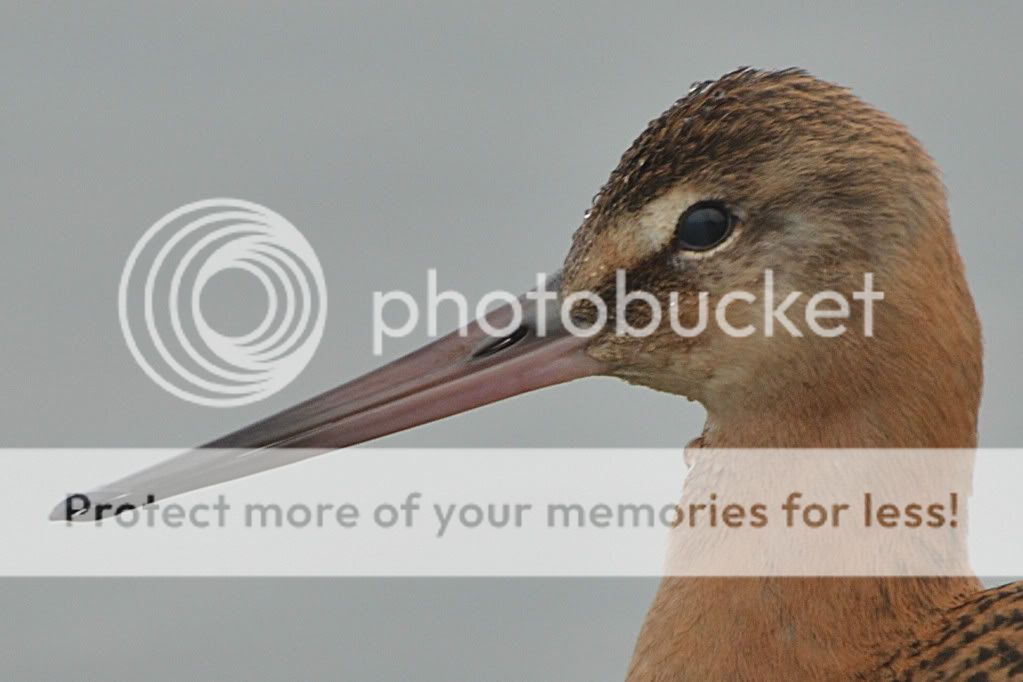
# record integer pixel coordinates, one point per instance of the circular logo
(159, 302)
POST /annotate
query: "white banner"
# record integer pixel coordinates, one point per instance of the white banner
(536, 512)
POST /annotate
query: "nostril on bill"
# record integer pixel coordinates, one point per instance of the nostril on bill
(498, 344)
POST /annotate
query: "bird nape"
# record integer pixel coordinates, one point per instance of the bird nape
(756, 174)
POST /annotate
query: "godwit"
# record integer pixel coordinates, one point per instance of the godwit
(756, 170)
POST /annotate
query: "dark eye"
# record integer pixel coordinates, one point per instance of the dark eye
(703, 226)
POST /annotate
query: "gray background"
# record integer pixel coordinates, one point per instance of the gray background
(463, 137)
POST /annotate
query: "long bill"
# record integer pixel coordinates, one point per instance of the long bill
(454, 374)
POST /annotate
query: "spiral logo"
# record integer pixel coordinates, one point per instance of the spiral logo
(159, 302)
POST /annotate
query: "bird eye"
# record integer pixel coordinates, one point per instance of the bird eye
(703, 226)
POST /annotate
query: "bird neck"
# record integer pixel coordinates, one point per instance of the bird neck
(916, 385)
(920, 418)
(799, 627)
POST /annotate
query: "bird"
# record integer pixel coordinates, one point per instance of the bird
(756, 170)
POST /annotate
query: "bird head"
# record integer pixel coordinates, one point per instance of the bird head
(757, 178)
(777, 180)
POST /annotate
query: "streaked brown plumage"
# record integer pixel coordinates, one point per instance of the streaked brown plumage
(827, 187)
(977, 640)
